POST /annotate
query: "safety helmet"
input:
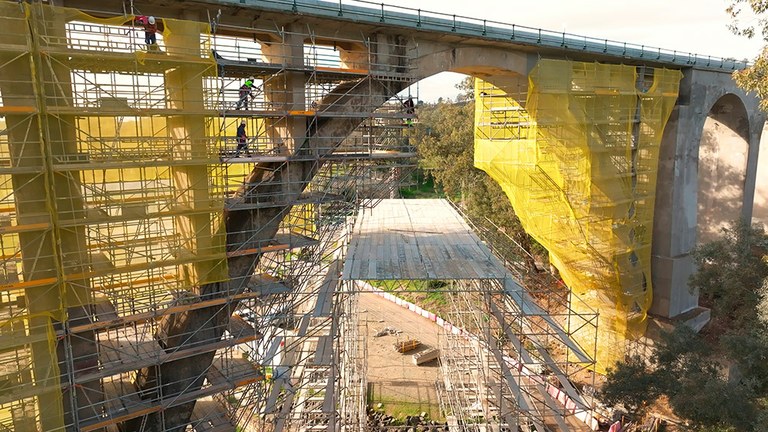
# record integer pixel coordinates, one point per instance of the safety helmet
(151, 20)
(242, 121)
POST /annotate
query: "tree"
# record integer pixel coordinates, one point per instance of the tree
(467, 87)
(630, 385)
(754, 78)
(445, 141)
(730, 276)
(718, 379)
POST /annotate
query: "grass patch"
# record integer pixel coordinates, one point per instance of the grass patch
(428, 294)
(400, 409)
(423, 188)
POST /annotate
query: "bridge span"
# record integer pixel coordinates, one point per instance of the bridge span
(154, 256)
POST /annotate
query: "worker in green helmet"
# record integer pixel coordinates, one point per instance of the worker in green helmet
(246, 93)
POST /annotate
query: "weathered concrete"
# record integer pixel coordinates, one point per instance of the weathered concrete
(504, 62)
(703, 95)
(760, 201)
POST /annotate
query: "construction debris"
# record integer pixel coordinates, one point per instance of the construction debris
(378, 421)
(387, 331)
(425, 356)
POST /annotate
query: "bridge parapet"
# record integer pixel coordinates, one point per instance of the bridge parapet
(418, 20)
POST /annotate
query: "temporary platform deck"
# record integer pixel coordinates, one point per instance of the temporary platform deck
(417, 239)
(492, 367)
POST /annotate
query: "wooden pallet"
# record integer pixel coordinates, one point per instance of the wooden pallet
(406, 345)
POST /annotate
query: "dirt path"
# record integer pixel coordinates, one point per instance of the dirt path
(393, 380)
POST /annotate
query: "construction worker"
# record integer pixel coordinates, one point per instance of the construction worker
(410, 106)
(242, 140)
(246, 93)
(150, 29)
(410, 110)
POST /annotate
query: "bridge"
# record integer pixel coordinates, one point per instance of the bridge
(157, 278)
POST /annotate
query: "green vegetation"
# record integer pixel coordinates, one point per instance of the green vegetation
(400, 409)
(717, 380)
(444, 138)
(754, 78)
(424, 187)
(428, 294)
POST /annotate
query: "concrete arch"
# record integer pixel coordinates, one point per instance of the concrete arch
(722, 167)
(507, 70)
(704, 97)
(721, 103)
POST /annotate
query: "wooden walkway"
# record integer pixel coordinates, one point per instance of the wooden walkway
(417, 239)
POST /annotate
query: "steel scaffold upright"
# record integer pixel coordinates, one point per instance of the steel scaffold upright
(119, 171)
(508, 363)
(507, 356)
(306, 344)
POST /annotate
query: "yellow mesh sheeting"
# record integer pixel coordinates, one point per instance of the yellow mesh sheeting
(578, 162)
(31, 397)
(107, 190)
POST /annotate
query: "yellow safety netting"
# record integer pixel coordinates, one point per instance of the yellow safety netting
(106, 187)
(578, 162)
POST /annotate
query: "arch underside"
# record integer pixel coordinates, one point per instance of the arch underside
(722, 167)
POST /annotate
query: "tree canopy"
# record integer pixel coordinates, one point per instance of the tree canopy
(755, 24)
(717, 380)
(445, 141)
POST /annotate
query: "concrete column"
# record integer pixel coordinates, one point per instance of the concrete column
(60, 139)
(184, 86)
(285, 91)
(756, 124)
(388, 53)
(760, 196)
(674, 227)
(676, 212)
(49, 198)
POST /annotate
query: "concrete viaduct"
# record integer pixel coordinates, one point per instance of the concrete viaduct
(695, 195)
(708, 160)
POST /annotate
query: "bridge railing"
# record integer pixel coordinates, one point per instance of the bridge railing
(380, 13)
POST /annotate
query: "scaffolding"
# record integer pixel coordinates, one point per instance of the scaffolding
(120, 182)
(575, 148)
(508, 363)
(507, 360)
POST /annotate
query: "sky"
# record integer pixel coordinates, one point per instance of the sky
(698, 26)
